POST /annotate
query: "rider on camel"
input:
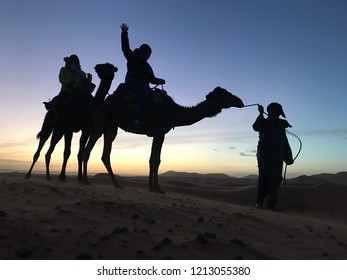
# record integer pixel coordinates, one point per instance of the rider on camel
(139, 73)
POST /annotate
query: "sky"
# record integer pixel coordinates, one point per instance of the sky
(287, 51)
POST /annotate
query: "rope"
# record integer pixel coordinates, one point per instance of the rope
(250, 105)
(300, 142)
(285, 168)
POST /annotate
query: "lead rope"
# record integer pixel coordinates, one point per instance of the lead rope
(290, 133)
(300, 147)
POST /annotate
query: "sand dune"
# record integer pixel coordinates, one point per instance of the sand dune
(200, 217)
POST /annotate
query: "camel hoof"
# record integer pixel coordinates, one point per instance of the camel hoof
(157, 190)
(62, 178)
(27, 176)
(83, 181)
(48, 178)
(118, 186)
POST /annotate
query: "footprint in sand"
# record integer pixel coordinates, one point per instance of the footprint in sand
(142, 231)
(118, 230)
(84, 256)
(166, 241)
(23, 252)
(205, 237)
(149, 220)
(239, 242)
(64, 212)
(3, 214)
(136, 217)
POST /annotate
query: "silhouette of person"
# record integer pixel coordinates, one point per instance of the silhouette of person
(139, 73)
(72, 78)
(76, 86)
(273, 149)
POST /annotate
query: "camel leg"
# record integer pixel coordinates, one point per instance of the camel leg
(43, 138)
(43, 135)
(83, 141)
(154, 163)
(67, 153)
(109, 137)
(57, 135)
(86, 153)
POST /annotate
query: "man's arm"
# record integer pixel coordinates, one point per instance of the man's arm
(125, 41)
(257, 126)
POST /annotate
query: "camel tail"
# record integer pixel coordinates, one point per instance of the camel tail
(38, 136)
(47, 126)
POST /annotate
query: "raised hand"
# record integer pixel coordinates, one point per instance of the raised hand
(124, 27)
(260, 109)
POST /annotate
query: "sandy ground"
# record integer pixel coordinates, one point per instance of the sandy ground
(199, 217)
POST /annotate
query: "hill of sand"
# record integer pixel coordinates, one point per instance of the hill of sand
(209, 216)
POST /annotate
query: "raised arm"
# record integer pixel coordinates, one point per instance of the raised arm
(125, 41)
(258, 124)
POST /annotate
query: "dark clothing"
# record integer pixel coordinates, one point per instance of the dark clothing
(73, 80)
(138, 77)
(138, 68)
(142, 93)
(273, 149)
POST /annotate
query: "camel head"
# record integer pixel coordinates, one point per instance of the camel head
(224, 98)
(106, 70)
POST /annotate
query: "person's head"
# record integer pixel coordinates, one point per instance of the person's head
(144, 51)
(72, 60)
(275, 110)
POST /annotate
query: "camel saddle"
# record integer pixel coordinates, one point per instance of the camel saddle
(125, 94)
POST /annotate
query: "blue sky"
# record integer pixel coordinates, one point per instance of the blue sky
(292, 52)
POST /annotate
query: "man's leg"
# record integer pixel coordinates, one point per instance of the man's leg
(262, 191)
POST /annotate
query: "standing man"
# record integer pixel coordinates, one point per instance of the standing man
(273, 149)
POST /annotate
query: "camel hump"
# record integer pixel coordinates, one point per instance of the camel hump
(123, 93)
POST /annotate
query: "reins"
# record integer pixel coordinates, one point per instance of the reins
(250, 105)
(290, 133)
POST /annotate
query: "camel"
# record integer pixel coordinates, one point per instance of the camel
(161, 115)
(78, 116)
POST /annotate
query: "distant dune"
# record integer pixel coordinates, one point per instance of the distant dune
(201, 216)
(194, 175)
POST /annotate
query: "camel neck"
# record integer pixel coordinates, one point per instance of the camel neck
(102, 91)
(190, 115)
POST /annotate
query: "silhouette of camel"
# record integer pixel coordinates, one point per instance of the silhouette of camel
(76, 116)
(161, 115)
